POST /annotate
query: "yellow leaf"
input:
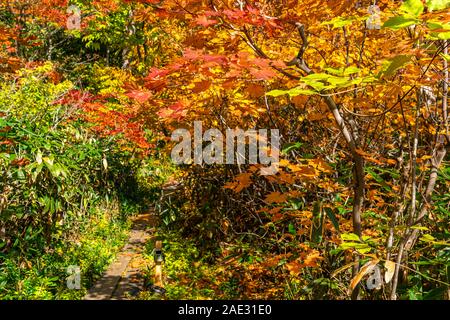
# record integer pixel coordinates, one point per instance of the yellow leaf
(312, 258)
(294, 267)
(390, 268)
(284, 163)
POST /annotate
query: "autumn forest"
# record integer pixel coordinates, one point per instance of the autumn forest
(224, 149)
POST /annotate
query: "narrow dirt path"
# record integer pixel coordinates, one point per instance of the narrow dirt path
(123, 279)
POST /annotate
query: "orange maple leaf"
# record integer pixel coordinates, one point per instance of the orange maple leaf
(276, 197)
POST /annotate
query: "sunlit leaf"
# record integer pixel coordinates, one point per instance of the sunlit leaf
(366, 269)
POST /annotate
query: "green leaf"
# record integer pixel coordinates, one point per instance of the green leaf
(412, 295)
(332, 217)
(428, 238)
(440, 28)
(20, 175)
(316, 76)
(339, 22)
(443, 35)
(299, 91)
(412, 7)
(420, 228)
(445, 56)
(317, 223)
(437, 4)
(399, 22)
(378, 179)
(434, 25)
(349, 237)
(360, 247)
(49, 160)
(364, 250)
(291, 146)
(391, 66)
(316, 85)
(291, 92)
(276, 93)
(338, 81)
(435, 294)
(291, 229)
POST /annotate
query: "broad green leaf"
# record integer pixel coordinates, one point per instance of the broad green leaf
(276, 93)
(351, 70)
(443, 35)
(391, 66)
(339, 82)
(291, 92)
(439, 35)
(440, 29)
(434, 24)
(364, 250)
(437, 4)
(428, 238)
(316, 85)
(399, 22)
(316, 80)
(339, 22)
(412, 7)
(316, 76)
(297, 91)
(349, 237)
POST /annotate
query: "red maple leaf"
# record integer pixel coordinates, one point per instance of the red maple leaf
(139, 96)
(204, 21)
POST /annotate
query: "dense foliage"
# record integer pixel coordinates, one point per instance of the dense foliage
(358, 90)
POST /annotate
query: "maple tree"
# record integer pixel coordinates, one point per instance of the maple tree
(362, 113)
